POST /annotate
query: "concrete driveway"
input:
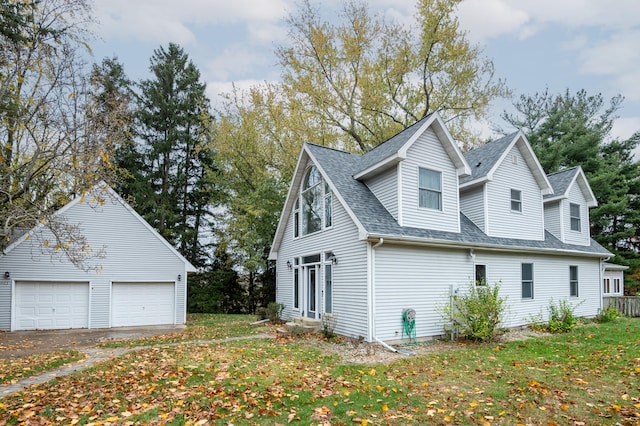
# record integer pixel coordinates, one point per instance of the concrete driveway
(23, 343)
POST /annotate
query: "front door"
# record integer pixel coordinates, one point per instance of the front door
(311, 299)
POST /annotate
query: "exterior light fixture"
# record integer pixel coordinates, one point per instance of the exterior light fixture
(334, 260)
(7, 275)
(179, 277)
(289, 264)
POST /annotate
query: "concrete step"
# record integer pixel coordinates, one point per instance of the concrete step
(302, 326)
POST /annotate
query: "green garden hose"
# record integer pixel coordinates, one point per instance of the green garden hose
(409, 325)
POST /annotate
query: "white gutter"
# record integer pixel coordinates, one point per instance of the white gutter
(484, 246)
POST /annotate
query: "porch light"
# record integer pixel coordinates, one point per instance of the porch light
(179, 277)
(334, 260)
(289, 264)
(7, 275)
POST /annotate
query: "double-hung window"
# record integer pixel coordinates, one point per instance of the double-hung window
(574, 212)
(527, 280)
(516, 200)
(573, 281)
(430, 189)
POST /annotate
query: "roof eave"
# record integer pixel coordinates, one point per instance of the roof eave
(399, 239)
(379, 167)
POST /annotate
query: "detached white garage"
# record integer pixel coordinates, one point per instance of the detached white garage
(137, 278)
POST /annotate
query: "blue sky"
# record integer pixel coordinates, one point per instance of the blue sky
(535, 44)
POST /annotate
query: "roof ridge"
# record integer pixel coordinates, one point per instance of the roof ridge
(401, 131)
(342, 151)
(564, 171)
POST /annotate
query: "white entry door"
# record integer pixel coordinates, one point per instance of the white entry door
(312, 289)
(51, 305)
(142, 303)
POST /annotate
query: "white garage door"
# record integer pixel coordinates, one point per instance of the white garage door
(142, 304)
(51, 305)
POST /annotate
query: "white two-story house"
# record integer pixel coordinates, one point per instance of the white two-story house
(365, 237)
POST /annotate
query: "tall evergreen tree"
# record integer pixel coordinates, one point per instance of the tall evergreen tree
(171, 159)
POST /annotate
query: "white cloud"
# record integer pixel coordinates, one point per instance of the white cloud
(485, 19)
(625, 127)
(167, 20)
(233, 61)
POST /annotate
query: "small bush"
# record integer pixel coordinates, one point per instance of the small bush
(329, 322)
(536, 323)
(261, 313)
(274, 311)
(609, 314)
(561, 317)
(478, 312)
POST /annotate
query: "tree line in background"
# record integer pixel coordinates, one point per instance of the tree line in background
(213, 182)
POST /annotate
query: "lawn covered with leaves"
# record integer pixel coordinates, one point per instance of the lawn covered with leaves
(201, 327)
(14, 369)
(590, 376)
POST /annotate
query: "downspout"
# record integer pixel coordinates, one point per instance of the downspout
(386, 346)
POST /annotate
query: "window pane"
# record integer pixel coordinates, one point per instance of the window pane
(311, 208)
(296, 288)
(315, 258)
(516, 200)
(327, 211)
(575, 216)
(429, 179)
(296, 224)
(527, 281)
(573, 273)
(527, 290)
(527, 272)
(481, 274)
(312, 290)
(311, 178)
(328, 291)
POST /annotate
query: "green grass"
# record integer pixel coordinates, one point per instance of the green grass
(201, 327)
(591, 375)
(12, 370)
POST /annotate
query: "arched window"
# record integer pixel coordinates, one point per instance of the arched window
(311, 201)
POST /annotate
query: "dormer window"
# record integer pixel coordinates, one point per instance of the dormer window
(316, 200)
(516, 200)
(574, 212)
(430, 189)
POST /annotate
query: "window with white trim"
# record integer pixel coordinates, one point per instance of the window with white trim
(616, 285)
(606, 285)
(527, 280)
(296, 219)
(574, 212)
(429, 189)
(316, 198)
(481, 274)
(573, 281)
(516, 200)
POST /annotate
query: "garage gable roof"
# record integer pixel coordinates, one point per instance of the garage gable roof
(102, 190)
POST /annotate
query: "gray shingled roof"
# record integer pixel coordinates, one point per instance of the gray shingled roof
(560, 181)
(390, 146)
(482, 159)
(340, 167)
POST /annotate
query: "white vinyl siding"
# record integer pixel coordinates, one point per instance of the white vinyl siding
(427, 274)
(552, 219)
(349, 283)
(427, 153)
(5, 304)
(133, 253)
(418, 278)
(472, 204)
(385, 187)
(502, 220)
(549, 274)
(582, 237)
